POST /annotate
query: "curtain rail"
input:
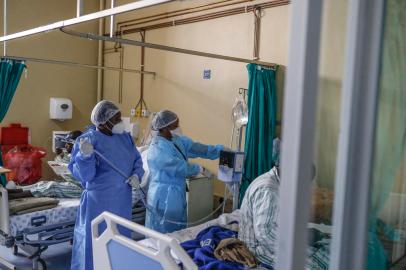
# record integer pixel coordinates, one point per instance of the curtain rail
(66, 63)
(165, 48)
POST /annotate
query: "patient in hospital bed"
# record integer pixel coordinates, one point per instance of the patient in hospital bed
(258, 227)
(259, 217)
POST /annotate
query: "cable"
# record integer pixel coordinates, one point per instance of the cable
(225, 198)
(143, 196)
(232, 136)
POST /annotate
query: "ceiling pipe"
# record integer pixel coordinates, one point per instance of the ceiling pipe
(177, 13)
(205, 17)
(5, 26)
(79, 8)
(166, 48)
(100, 55)
(84, 18)
(113, 3)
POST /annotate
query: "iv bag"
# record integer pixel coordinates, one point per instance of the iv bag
(240, 112)
(149, 134)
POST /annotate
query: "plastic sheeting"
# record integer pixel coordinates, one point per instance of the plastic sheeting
(390, 142)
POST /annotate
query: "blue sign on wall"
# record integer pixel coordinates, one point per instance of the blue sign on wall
(207, 74)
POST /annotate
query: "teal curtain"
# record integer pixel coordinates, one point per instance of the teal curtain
(390, 144)
(10, 74)
(262, 102)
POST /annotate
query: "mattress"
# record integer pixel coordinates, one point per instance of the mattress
(64, 212)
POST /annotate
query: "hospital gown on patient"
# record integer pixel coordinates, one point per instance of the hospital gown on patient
(259, 217)
(259, 224)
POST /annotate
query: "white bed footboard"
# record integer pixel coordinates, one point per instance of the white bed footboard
(113, 251)
(4, 211)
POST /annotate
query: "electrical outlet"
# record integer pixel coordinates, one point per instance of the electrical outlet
(145, 113)
(132, 113)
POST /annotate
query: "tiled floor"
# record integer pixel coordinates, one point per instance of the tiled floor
(56, 257)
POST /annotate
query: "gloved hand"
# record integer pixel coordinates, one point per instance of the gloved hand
(11, 185)
(85, 147)
(227, 149)
(201, 169)
(134, 181)
(206, 173)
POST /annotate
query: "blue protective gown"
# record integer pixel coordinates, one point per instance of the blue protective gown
(168, 165)
(105, 189)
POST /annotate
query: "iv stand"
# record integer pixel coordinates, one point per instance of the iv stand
(236, 186)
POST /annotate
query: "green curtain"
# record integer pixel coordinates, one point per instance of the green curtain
(262, 102)
(390, 144)
(10, 74)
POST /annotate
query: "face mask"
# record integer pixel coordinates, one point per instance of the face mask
(176, 132)
(118, 128)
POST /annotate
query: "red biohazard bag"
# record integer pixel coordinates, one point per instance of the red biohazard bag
(25, 164)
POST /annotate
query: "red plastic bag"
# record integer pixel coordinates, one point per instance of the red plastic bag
(25, 164)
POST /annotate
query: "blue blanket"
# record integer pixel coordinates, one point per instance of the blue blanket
(202, 249)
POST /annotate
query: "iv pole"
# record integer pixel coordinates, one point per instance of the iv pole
(240, 131)
(236, 186)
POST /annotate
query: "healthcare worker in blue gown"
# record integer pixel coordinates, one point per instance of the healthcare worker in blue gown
(168, 162)
(104, 188)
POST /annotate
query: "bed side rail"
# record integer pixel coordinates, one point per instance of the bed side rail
(114, 251)
(47, 235)
(4, 211)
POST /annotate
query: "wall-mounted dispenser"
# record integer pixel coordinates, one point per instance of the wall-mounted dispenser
(60, 109)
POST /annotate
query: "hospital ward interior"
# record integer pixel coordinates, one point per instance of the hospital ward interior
(203, 134)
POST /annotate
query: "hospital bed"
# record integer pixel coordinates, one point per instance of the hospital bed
(113, 251)
(34, 232)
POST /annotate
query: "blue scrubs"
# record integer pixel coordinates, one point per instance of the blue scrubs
(105, 189)
(169, 166)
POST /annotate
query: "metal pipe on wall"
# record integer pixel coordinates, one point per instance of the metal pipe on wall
(177, 13)
(120, 80)
(113, 2)
(205, 17)
(100, 56)
(257, 31)
(173, 12)
(142, 68)
(5, 26)
(79, 8)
